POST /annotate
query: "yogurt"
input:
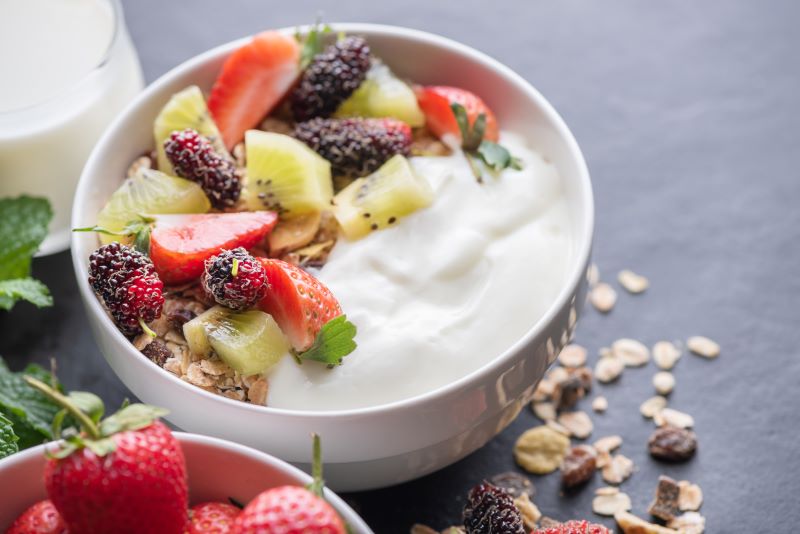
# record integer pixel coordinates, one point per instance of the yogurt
(443, 292)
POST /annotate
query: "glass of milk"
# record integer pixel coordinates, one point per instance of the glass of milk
(67, 68)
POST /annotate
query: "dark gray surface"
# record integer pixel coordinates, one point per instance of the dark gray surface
(688, 115)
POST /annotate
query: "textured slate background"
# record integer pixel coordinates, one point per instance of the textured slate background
(688, 114)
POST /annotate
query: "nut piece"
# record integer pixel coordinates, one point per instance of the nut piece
(702, 346)
(608, 443)
(603, 297)
(688, 523)
(630, 524)
(634, 283)
(690, 498)
(546, 411)
(618, 470)
(652, 406)
(572, 356)
(673, 445)
(670, 417)
(665, 505)
(540, 450)
(608, 369)
(578, 423)
(530, 512)
(666, 355)
(664, 382)
(609, 500)
(600, 404)
(633, 353)
(578, 466)
(514, 483)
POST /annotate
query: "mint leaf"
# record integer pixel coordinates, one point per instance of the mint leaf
(497, 157)
(23, 226)
(30, 411)
(26, 289)
(8, 440)
(334, 341)
(312, 43)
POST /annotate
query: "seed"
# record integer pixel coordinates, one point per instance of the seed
(608, 443)
(702, 346)
(691, 496)
(665, 504)
(578, 466)
(572, 356)
(546, 411)
(600, 404)
(514, 483)
(630, 524)
(634, 283)
(633, 353)
(603, 297)
(578, 423)
(618, 470)
(670, 417)
(608, 369)
(530, 512)
(664, 382)
(610, 504)
(672, 444)
(652, 406)
(392, 220)
(688, 523)
(540, 450)
(666, 355)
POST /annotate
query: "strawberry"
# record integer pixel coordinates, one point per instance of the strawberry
(213, 518)
(574, 527)
(253, 80)
(124, 474)
(180, 244)
(41, 518)
(435, 101)
(292, 509)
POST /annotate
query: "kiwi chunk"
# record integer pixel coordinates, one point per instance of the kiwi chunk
(380, 199)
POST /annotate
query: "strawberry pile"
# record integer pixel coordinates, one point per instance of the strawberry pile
(126, 474)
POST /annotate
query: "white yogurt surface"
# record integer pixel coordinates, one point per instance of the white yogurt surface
(446, 290)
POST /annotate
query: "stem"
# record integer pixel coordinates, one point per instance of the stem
(235, 267)
(316, 467)
(85, 421)
(147, 329)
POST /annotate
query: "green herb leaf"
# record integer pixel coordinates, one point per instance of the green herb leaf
(31, 411)
(27, 289)
(312, 42)
(132, 417)
(334, 341)
(462, 120)
(8, 440)
(23, 226)
(497, 157)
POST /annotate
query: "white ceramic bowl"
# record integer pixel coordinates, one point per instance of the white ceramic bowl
(217, 469)
(392, 443)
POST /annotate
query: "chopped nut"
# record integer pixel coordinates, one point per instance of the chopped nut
(572, 356)
(618, 470)
(632, 282)
(633, 353)
(688, 523)
(600, 404)
(214, 367)
(257, 394)
(593, 275)
(157, 352)
(666, 355)
(557, 374)
(530, 512)
(690, 498)
(546, 411)
(603, 297)
(196, 376)
(652, 406)
(514, 483)
(578, 423)
(702, 346)
(540, 450)
(608, 503)
(630, 524)
(422, 529)
(665, 504)
(672, 444)
(578, 466)
(664, 382)
(608, 443)
(608, 369)
(670, 417)
(568, 392)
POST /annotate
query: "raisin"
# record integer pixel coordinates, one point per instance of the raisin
(514, 483)
(180, 317)
(672, 444)
(157, 352)
(578, 466)
(585, 376)
(665, 506)
(568, 392)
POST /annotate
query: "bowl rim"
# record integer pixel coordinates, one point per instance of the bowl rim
(572, 281)
(298, 475)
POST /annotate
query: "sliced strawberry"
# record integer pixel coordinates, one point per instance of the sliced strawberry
(180, 244)
(298, 302)
(435, 102)
(253, 80)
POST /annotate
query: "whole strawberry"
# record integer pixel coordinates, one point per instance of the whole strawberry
(235, 279)
(41, 518)
(125, 474)
(213, 518)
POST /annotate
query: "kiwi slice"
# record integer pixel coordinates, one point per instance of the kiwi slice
(186, 109)
(380, 199)
(149, 192)
(383, 94)
(285, 175)
(250, 342)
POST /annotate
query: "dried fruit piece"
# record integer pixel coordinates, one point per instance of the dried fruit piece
(600, 404)
(578, 423)
(652, 406)
(540, 450)
(688, 523)
(530, 512)
(546, 411)
(630, 524)
(672, 444)
(666, 355)
(608, 443)
(618, 470)
(633, 353)
(665, 504)
(608, 369)
(670, 417)
(632, 282)
(690, 498)
(603, 297)
(514, 483)
(703, 346)
(609, 500)
(572, 356)
(568, 392)
(578, 466)
(664, 382)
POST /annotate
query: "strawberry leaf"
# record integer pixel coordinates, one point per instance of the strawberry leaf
(8, 440)
(88, 403)
(333, 342)
(132, 417)
(497, 157)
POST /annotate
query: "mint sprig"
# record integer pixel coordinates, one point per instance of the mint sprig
(312, 42)
(8, 439)
(31, 413)
(139, 228)
(478, 150)
(333, 342)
